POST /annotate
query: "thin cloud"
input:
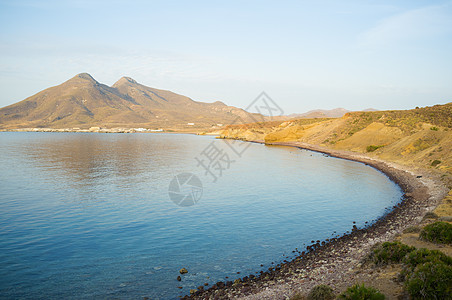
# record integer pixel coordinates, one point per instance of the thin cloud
(413, 25)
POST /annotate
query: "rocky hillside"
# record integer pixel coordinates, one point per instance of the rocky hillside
(420, 137)
(84, 102)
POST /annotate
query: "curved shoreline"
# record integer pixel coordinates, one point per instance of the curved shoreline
(335, 261)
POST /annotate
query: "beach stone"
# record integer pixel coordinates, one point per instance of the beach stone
(179, 278)
(183, 271)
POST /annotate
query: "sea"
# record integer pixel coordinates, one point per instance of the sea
(117, 216)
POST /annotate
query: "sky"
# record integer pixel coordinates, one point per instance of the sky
(304, 54)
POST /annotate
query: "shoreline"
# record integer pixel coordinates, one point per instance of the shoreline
(105, 130)
(337, 261)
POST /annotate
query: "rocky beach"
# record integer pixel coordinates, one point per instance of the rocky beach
(341, 261)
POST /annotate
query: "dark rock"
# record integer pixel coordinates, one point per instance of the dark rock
(183, 271)
(179, 278)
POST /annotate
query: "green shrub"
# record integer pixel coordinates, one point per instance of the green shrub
(390, 252)
(321, 292)
(361, 292)
(434, 128)
(430, 215)
(372, 148)
(412, 229)
(297, 296)
(421, 256)
(438, 232)
(431, 280)
(435, 163)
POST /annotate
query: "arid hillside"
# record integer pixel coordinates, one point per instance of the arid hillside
(84, 102)
(419, 137)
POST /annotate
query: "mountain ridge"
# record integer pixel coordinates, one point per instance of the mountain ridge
(83, 102)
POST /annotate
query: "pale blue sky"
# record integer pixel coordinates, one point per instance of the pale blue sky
(304, 54)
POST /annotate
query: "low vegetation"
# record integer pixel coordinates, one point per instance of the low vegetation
(438, 232)
(321, 292)
(435, 163)
(390, 252)
(372, 148)
(297, 296)
(361, 292)
(427, 274)
(412, 229)
(430, 215)
(422, 256)
(430, 280)
(355, 292)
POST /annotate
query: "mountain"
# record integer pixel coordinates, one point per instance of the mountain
(84, 102)
(323, 113)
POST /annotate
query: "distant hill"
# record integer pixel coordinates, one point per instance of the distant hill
(325, 113)
(84, 102)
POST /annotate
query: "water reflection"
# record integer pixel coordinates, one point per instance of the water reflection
(93, 158)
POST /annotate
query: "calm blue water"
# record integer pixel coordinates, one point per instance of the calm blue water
(89, 216)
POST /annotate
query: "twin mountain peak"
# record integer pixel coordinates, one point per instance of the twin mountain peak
(87, 78)
(83, 102)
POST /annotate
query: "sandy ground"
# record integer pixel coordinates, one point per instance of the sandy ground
(340, 261)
